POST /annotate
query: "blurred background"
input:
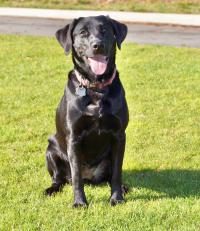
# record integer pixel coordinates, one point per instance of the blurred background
(164, 6)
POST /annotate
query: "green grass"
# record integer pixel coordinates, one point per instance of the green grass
(162, 161)
(166, 6)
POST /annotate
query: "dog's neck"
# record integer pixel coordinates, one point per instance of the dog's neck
(98, 85)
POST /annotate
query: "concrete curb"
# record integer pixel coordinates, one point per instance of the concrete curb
(128, 17)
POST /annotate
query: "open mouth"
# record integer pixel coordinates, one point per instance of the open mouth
(98, 64)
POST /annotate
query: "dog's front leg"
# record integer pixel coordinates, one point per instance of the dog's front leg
(117, 155)
(75, 165)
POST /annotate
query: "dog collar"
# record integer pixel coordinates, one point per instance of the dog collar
(86, 83)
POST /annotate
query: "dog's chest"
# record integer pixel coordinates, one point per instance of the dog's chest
(94, 130)
(95, 135)
(97, 107)
(97, 116)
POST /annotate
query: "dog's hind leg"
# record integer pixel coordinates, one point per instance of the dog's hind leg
(58, 167)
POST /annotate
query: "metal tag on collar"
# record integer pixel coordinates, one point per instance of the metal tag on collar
(80, 91)
(92, 85)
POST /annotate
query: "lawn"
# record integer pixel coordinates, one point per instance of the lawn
(165, 6)
(162, 161)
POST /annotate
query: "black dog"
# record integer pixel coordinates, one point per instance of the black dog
(92, 116)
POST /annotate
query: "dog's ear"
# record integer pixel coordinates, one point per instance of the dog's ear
(120, 31)
(64, 36)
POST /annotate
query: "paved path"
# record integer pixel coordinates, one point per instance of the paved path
(139, 33)
(131, 17)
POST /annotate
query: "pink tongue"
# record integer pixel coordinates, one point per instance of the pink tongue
(98, 64)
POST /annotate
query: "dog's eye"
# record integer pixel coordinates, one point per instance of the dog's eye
(83, 33)
(103, 30)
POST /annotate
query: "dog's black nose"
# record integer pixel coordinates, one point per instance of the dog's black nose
(97, 46)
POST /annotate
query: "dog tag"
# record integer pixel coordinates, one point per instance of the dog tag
(80, 91)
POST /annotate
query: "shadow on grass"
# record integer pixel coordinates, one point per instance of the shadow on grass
(168, 183)
(152, 184)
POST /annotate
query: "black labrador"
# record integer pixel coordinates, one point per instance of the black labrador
(92, 116)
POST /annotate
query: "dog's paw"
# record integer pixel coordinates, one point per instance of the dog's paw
(81, 204)
(49, 191)
(125, 189)
(114, 201)
(52, 190)
(116, 198)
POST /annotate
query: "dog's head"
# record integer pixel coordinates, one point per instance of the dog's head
(92, 41)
